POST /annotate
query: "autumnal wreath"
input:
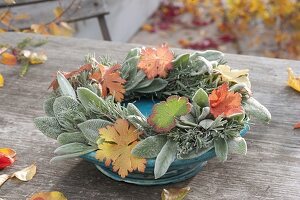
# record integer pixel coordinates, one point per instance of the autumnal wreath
(199, 104)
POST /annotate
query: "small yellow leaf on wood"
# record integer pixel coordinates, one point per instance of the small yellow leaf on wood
(37, 58)
(1, 81)
(54, 195)
(58, 11)
(293, 81)
(3, 179)
(175, 193)
(25, 174)
(8, 151)
(8, 59)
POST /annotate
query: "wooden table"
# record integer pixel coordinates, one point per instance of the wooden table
(271, 169)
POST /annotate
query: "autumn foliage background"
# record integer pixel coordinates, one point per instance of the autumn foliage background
(260, 27)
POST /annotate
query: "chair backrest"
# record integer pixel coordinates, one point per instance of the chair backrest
(41, 11)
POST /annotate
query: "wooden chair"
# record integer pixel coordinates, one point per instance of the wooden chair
(40, 12)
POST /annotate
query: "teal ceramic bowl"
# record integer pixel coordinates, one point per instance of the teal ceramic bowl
(180, 169)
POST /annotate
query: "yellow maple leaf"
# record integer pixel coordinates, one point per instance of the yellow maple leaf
(235, 75)
(120, 139)
(293, 81)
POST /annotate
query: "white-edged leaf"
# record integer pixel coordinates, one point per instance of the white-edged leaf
(65, 86)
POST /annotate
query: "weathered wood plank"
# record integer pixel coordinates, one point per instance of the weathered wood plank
(271, 169)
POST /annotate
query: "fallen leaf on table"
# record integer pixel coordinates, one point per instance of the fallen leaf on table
(37, 58)
(1, 81)
(5, 161)
(297, 126)
(164, 113)
(25, 174)
(156, 61)
(175, 193)
(222, 101)
(120, 139)
(110, 81)
(8, 151)
(293, 81)
(54, 195)
(3, 179)
(8, 59)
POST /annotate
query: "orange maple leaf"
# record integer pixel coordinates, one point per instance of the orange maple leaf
(297, 126)
(8, 59)
(54, 83)
(110, 81)
(156, 61)
(224, 102)
(120, 139)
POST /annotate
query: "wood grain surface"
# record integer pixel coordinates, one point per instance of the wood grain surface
(270, 170)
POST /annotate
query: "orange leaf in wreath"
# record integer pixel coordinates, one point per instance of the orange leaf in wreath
(110, 81)
(8, 59)
(156, 61)
(120, 139)
(54, 83)
(224, 102)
